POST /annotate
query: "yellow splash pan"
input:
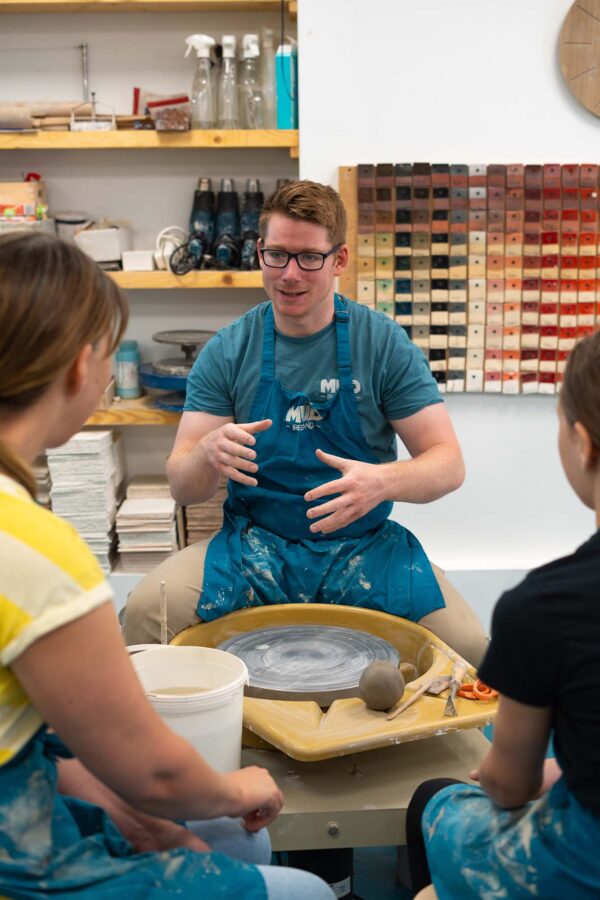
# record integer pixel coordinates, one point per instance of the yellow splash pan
(302, 730)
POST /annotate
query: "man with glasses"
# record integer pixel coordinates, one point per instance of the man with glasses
(298, 404)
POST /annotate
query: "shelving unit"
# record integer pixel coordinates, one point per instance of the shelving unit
(133, 412)
(193, 280)
(131, 139)
(148, 432)
(95, 6)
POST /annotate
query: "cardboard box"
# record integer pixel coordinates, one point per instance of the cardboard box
(104, 244)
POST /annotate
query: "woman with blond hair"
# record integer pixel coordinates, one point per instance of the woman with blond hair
(63, 664)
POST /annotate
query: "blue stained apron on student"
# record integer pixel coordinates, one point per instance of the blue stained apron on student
(67, 849)
(265, 552)
(547, 849)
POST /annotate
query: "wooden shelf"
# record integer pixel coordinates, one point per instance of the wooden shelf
(193, 280)
(274, 139)
(133, 412)
(95, 6)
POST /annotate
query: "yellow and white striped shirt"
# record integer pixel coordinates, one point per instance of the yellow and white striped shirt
(48, 577)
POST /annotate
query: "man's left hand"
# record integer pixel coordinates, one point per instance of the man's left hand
(360, 489)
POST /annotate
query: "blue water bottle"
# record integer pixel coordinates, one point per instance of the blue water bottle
(128, 370)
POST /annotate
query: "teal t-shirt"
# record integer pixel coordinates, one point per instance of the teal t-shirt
(392, 379)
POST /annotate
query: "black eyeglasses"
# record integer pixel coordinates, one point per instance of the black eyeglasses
(308, 260)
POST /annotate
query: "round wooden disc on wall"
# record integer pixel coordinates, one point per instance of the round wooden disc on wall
(579, 53)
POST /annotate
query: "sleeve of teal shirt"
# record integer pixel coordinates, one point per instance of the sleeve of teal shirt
(408, 385)
(207, 387)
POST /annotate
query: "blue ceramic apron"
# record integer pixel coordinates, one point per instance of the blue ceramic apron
(266, 554)
(547, 850)
(58, 847)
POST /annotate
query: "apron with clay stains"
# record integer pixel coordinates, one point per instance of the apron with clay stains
(546, 850)
(265, 552)
(58, 847)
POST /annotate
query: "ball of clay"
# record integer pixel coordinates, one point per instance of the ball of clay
(381, 685)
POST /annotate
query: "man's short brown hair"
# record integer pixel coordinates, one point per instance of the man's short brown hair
(307, 201)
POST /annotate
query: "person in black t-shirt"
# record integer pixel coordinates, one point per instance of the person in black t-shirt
(532, 827)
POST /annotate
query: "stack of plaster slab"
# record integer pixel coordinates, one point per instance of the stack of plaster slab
(87, 475)
(43, 481)
(204, 519)
(146, 528)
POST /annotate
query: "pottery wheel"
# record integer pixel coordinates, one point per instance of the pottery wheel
(307, 662)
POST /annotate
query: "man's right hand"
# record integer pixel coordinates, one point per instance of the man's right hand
(229, 450)
(259, 797)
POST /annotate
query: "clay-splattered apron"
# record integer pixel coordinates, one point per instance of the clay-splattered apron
(59, 847)
(265, 552)
(546, 850)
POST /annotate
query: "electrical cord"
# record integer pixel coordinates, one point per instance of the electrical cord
(167, 241)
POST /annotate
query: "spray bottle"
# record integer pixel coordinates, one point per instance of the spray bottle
(204, 107)
(195, 253)
(227, 227)
(267, 59)
(251, 96)
(251, 207)
(228, 92)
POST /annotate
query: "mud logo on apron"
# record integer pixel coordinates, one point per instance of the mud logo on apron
(299, 418)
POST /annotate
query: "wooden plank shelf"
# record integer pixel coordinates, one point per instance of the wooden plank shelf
(133, 412)
(193, 280)
(132, 139)
(95, 6)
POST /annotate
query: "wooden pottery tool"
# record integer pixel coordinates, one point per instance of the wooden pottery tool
(459, 670)
(434, 686)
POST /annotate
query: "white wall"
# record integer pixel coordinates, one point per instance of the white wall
(462, 82)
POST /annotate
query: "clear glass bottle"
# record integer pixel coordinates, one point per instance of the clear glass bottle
(267, 58)
(251, 95)
(204, 100)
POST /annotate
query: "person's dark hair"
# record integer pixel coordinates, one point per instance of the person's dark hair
(53, 301)
(580, 391)
(307, 201)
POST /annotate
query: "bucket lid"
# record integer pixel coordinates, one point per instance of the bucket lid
(70, 217)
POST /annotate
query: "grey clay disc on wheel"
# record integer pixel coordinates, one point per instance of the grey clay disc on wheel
(307, 662)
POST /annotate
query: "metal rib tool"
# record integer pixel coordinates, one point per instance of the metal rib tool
(458, 673)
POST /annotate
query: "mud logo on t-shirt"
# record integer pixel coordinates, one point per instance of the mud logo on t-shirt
(300, 418)
(330, 386)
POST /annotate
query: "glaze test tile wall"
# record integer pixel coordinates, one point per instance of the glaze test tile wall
(491, 269)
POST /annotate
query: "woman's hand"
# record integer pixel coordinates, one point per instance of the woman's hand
(259, 797)
(146, 833)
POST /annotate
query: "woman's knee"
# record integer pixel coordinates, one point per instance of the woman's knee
(283, 883)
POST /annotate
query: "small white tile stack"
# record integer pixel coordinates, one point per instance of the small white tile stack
(146, 524)
(42, 480)
(204, 519)
(87, 476)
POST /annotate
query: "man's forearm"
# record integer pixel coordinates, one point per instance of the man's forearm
(192, 479)
(431, 475)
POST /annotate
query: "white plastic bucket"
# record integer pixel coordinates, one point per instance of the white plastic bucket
(211, 720)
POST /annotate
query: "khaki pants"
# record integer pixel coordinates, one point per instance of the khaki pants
(456, 623)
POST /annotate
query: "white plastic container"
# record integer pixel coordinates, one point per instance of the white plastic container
(211, 720)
